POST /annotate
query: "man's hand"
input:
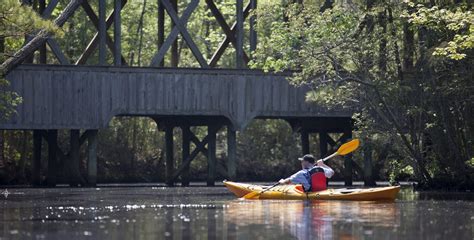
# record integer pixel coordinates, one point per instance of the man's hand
(283, 181)
(320, 162)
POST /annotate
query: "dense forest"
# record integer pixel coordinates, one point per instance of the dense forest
(404, 66)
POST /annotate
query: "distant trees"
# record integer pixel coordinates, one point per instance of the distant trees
(405, 68)
(16, 21)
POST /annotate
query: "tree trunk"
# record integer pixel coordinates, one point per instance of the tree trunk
(408, 41)
(393, 33)
(140, 34)
(2, 47)
(134, 145)
(39, 39)
(328, 4)
(382, 20)
(2, 149)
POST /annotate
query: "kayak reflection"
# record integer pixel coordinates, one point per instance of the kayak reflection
(313, 219)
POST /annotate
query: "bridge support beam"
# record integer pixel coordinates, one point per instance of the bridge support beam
(323, 144)
(37, 144)
(368, 175)
(211, 154)
(231, 153)
(74, 176)
(92, 158)
(347, 161)
(185, 148)
(169, 155)
(305, 142)
(52, 157)
(213, 124)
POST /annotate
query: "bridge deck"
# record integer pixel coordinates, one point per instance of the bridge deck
(87, 97)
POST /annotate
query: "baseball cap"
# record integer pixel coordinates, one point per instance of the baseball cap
(308, 157)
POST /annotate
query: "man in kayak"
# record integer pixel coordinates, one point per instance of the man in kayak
(312, 176)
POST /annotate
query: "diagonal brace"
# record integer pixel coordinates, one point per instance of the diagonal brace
(188, 160)
(95, 40)
(173, 35)
(225, 43)
(230, 33)
(184, 32)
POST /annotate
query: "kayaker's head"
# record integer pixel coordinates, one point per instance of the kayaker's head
(307, 161)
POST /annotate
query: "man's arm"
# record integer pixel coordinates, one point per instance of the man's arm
(327, 170)
(295, 178)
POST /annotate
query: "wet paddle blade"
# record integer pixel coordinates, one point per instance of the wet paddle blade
(348, 147)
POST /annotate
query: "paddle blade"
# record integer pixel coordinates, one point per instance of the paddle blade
(251, 195)
(348, 147)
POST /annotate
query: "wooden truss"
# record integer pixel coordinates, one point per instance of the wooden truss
(102, 40)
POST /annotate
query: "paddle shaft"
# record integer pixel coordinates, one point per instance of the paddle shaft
(274, 185)
(330, 156)
(254, 194)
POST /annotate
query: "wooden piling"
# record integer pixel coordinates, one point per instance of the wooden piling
(211, 157)
(36, 171)
(74, 159)
(347, 162)
(368, 176)
(92, 158)
(305, 142)
(323, 144)
(185, 154)
(231, 153)
(169, 155)
(52, 157)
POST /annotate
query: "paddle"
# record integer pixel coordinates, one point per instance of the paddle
(346, 148)
(254, 194)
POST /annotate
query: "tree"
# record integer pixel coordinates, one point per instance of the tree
(350, 55)
(16, 22)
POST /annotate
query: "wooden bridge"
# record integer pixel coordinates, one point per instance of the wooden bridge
(79, 97)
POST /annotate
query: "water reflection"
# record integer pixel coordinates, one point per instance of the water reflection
(214, 213)
(313, 220)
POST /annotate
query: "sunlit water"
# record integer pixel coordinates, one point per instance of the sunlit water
(213, 213)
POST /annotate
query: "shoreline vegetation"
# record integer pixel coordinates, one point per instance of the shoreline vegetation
(405, 69)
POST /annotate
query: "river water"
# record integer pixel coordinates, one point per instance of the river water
(149, 212)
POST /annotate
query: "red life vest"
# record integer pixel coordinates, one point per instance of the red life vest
(318, 179)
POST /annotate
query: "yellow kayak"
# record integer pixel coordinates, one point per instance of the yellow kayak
(295, 192)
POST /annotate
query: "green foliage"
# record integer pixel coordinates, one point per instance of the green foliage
(267, 151)
(368, 61)
(457, 27)
(15, 22)
(8, 100)
(412, 109)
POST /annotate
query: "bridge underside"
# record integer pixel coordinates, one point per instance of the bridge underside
(86, 98)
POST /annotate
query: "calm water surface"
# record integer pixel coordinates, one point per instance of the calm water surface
(213, 213)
